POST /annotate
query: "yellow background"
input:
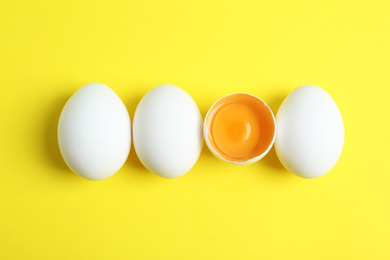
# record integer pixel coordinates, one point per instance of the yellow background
(48, 49)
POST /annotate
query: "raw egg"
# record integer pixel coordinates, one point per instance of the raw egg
(310, 132)
(94, 132)
(167, 131)
(239, 128)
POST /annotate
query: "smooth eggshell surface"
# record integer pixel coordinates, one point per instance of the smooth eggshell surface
(94, 132)
(167, 131)
(310, 132)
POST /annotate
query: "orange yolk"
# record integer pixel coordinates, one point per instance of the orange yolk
(240, 127)
(236, 130)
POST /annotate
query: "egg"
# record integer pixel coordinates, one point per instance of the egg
(239, 128)
(167, 131)
(310, 135)
(94, 132)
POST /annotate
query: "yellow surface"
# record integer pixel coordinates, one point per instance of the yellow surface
(48, 49)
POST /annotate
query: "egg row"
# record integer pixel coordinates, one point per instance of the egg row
(94, 131)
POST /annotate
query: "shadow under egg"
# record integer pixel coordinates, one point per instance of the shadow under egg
(133, 160)
(271, 159)
(50, 136)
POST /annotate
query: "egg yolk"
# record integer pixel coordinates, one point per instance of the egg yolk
(240, 127)
(236, 130)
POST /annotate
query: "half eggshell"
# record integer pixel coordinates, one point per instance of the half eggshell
(239, 128)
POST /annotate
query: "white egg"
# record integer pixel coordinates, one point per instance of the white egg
(167, 131)
(94, 132)
(310, 132)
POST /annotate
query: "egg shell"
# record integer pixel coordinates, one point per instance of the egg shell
(167, 131)
(94, 132)
(253, 159)
(310, 133)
